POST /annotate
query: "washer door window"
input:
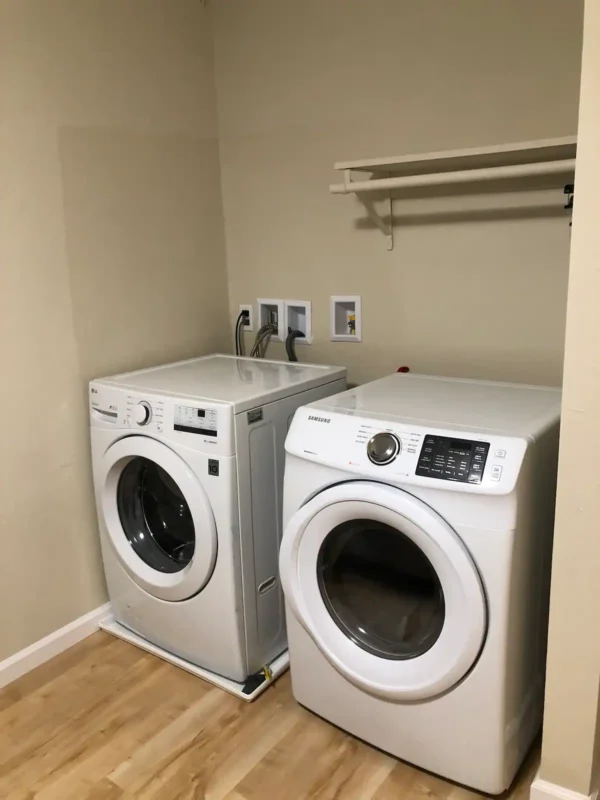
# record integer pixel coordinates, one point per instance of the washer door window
(385, 588)
(380, 589)
(155, 516)
(158, 518)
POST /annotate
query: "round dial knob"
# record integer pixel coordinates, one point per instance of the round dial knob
(142, 413)
(383, 448)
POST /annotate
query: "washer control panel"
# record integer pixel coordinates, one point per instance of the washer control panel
(191, 419)
(449, 459)
(201, 425)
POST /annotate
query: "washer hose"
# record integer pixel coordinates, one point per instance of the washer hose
(290, 347)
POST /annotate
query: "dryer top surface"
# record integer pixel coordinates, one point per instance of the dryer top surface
(481, 406)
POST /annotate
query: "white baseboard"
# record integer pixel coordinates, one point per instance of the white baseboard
(43, 650)
(544, 790)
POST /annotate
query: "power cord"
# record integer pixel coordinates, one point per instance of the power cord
(239, 336)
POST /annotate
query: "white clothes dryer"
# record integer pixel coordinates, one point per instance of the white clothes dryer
(188, 473)
(418, 518)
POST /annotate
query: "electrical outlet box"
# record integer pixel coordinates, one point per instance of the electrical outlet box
(271, 312)
(345, 318)
(249, 324)
(298, 317)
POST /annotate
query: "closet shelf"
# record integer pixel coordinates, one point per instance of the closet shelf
(473, 165)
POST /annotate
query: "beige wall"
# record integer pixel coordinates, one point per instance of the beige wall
(111, 257)
(475, 286)
(571, 742)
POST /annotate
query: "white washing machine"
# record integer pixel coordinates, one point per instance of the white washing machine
(188, 473)
(418, 518)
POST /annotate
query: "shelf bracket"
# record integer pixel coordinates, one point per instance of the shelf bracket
(375, 217)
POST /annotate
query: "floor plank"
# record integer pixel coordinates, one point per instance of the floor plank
(106, 721)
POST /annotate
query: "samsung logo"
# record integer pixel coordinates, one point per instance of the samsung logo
(318, 419)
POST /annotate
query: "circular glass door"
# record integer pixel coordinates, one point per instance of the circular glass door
(158, 518)
(380, 589)
(155, 516)
(385, 588)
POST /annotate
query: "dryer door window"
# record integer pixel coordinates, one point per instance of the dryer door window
(155, 516)
(381, 589)
(386, 589)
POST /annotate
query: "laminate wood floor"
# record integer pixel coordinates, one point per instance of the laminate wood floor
(106, 721)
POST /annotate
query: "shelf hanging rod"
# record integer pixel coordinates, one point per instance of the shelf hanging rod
(562, 166)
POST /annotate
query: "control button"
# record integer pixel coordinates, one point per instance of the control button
(500, 454)
(142, 413)
(159, 428)
(496, 472)
(475, 477)
(476, 468)
(383, 448)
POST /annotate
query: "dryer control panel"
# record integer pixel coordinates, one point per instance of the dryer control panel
(449, 459)
(406, 452)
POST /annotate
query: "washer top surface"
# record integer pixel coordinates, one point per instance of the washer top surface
(485, 406)
(242, 382)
